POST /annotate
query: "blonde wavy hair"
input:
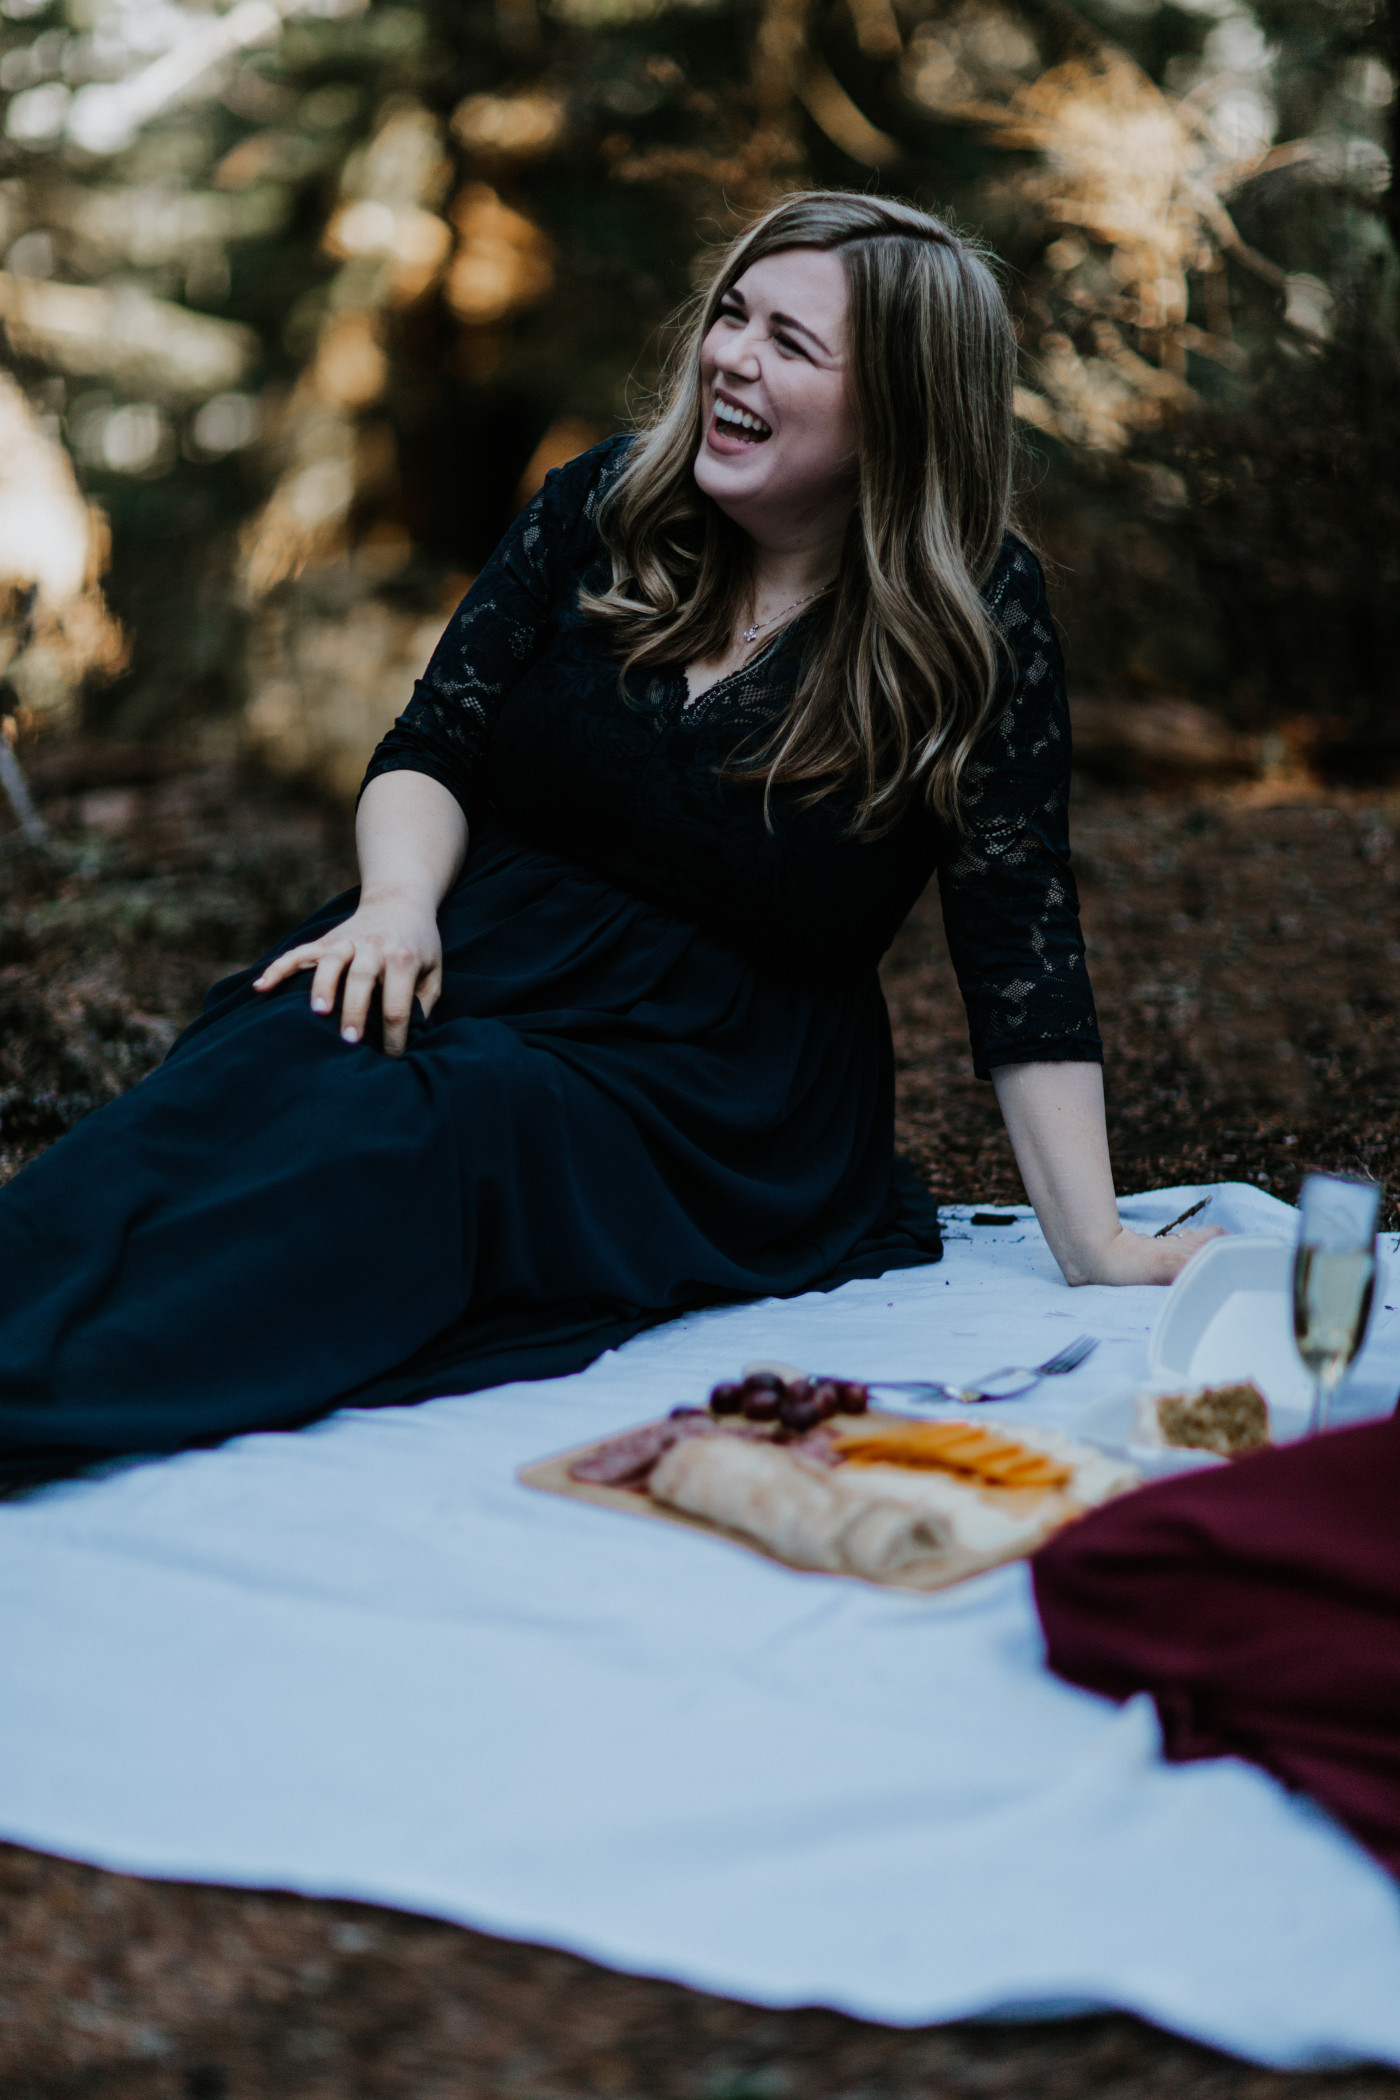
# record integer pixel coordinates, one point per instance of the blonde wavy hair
(898, 679)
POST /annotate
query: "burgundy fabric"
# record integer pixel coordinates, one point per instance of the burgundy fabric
(1259, 1603)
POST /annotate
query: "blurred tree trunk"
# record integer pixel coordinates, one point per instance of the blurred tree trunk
(1390, 51)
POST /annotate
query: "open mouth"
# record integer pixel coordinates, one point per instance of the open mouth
(738, 423)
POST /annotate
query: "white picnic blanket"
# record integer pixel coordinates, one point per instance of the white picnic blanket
(363, 1661)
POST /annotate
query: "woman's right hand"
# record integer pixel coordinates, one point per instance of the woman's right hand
(392, 941)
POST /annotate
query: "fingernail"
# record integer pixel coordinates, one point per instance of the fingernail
(320, 1006)
(351, 1035)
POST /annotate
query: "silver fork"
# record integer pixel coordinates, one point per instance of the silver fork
(1025, 1376)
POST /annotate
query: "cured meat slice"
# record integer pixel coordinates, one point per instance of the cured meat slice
(626, 1460)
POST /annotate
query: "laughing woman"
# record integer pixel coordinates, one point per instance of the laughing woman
(601, 1034)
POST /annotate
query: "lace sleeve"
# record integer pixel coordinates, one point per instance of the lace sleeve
(500, 627)
(1010, 907)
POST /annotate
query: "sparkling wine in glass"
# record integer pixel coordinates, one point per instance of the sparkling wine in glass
(1334, 1276)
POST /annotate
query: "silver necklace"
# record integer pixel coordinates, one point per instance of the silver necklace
(751, 634)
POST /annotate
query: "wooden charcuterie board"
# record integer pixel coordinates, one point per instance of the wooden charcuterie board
(1052, 1507)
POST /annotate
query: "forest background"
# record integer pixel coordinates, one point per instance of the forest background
(302, 296)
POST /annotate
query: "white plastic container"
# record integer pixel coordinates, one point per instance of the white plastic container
(1228, 1317)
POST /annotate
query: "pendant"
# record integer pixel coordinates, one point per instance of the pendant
(750, 634)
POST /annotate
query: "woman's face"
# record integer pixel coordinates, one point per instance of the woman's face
(779, 454)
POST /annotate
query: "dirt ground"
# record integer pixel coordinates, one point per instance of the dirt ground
(1245, 947)
(1245, 953)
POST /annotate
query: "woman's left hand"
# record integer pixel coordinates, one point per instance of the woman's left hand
(1055, 1120)
(1133, 1257)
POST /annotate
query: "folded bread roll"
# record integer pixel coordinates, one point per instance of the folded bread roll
(802, 1516)
(973, 1521)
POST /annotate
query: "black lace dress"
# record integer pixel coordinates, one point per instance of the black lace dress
(659, 1073)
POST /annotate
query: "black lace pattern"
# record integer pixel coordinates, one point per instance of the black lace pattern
(1010, 905)
(519, 715)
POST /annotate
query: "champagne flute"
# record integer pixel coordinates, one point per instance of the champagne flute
(1334, 1276)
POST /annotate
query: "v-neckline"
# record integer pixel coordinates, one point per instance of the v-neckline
(689, 704)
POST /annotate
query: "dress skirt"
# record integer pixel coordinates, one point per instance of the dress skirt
(610, 1115)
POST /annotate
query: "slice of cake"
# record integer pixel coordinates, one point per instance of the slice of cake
(1227, 1419)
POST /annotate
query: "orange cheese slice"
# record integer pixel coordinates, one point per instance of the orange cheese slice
(954, 1447)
